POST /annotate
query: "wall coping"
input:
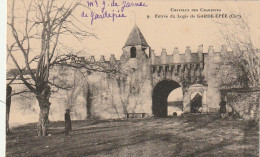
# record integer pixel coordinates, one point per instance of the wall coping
(241, 90)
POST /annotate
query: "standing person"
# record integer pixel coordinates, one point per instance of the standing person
(67, 122)
(223, 109)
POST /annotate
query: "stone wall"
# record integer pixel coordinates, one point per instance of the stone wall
(111, 97)
(244, 101)
(176, 57)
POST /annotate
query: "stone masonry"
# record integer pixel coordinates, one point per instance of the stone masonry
(192, 71)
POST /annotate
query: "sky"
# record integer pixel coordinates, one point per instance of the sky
(169, 33)
(159, 33)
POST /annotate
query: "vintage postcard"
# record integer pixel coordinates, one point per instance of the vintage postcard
(132, 78)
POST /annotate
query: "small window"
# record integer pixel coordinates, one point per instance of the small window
(133, 52)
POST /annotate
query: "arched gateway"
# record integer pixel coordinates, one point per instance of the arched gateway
(151, 78)
(160, 94)
(167, 72)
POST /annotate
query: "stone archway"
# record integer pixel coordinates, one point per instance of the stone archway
(199, 100)
(160, 94)
(196, 102)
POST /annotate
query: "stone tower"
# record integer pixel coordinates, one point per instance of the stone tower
(135, 49)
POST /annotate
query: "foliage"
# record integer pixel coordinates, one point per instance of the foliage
(241, 67)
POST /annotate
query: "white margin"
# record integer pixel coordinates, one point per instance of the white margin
(3, 31)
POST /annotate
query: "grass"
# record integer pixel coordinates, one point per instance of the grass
(190, 135)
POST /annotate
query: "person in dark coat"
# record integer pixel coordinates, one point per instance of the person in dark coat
(223, 109)
(67, 122)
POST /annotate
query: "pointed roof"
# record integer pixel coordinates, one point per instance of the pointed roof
(136, 38)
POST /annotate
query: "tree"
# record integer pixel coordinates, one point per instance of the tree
(37, 40)
(11, 78)
(8, 107)
(242, 66)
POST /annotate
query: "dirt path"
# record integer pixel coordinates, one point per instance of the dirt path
(192, 135)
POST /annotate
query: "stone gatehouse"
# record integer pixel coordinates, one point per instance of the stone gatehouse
(144, 87)
(150, 80)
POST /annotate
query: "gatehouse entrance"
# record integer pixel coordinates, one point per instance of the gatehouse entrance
(196, 103)
(161, 92)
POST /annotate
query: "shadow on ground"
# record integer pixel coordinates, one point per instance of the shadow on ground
(190, 135)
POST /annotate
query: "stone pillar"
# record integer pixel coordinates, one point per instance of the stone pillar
(92, 59)
(213, 93)
(112, 59)
(158, 70)
(188, 54)
(164, 72)
(204, 101)
(176, 57)
(192, 73)
(102, 59)
(182, 71)
(186, 101)
(152, 57)
(200, 54)
(163, 56)
(187, 72)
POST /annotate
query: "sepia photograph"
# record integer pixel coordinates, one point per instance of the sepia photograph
(130, 78)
